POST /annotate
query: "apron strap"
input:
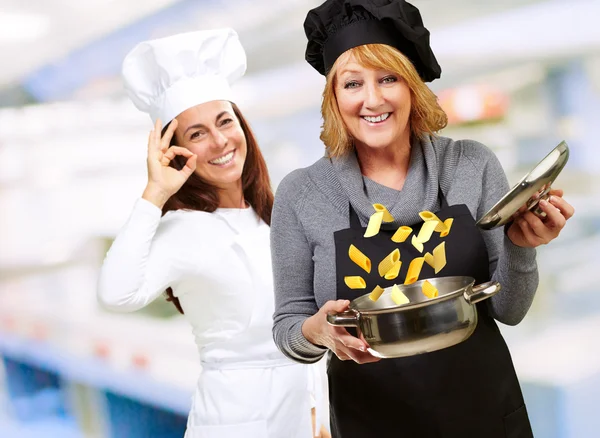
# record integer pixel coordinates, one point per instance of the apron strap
(355, 221)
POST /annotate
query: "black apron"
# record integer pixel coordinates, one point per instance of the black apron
(469, 390)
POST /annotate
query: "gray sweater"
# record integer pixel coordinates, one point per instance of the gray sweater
(312, 203)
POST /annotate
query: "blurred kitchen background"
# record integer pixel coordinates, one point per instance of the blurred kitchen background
(518, 76)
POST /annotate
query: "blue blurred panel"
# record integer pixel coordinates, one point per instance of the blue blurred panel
(24, 379)
(574, 100)
(33, 393)
(103, 58)
(544, 405)
(47, 428)
(581, 415)
(131, 419)
(564, 411)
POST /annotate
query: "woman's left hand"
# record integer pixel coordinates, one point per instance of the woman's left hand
(530, 231)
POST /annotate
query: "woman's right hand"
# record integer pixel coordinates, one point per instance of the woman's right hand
(163, 180)
(318, 331)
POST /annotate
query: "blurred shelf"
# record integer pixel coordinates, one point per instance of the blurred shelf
(96, 373)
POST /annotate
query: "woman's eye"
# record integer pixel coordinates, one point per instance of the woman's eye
(389, 79)
(195, 135)
(226, 122)
(351, 84)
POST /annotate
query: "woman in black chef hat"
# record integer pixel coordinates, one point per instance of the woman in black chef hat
(380, 121)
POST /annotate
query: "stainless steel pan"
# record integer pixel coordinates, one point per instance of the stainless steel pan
(424, 324)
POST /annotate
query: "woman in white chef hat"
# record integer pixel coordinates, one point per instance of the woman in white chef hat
(200, 232)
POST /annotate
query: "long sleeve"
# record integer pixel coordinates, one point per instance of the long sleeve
(515, 268)
(293, 272)
(136, 269)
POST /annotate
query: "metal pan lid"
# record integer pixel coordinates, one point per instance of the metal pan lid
(526, 194)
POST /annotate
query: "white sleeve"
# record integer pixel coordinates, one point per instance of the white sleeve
(136, 269)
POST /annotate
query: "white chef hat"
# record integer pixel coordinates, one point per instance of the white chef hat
(166, 76)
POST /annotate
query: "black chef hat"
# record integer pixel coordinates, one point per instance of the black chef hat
(339, 25)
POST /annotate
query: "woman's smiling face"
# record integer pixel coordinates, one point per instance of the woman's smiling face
(212, 132)
(374, 104)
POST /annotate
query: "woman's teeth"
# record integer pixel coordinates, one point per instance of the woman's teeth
(224, 159)
(377, 119)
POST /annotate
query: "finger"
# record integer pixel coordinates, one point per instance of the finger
(556, 192)
(530, 239)
(173, 151)
(341, 355)
(555, 221)
(151, 148)
(348, 353)
(154, 139)
(332, 306)
(190, 165)
(535, 222)
(534, 229)
(157, 125)
(154, 152)
(362, 338)
(565, 208)
(165, 142)
(357, 356)
(338, 305)
(157, 132)
(150, 139)
(366, 358)
(348, 340)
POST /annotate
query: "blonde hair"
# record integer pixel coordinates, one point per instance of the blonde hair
(426, 115)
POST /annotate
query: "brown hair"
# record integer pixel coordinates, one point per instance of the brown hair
(426, 115)
(197, 194)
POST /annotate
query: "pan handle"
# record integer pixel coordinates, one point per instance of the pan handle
(481, 292)
(348, 318)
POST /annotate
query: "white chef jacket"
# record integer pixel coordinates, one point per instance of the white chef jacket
(219, 266)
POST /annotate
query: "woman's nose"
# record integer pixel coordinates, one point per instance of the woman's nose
(219, 139)
(374, 96)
